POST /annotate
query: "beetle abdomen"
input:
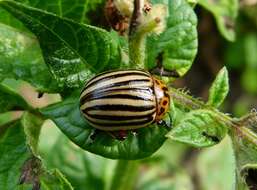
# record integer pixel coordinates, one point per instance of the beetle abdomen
(119, 100)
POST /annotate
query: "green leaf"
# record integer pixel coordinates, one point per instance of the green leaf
(176, 177)
(8, 19)
(54, 180)
(13, 153)
(248, 78)
(177, 181)
(219, 88)
(176, 47)
(199, 128)
(32, 126)
(17, 163)
(68, 118)
(225, 13)
(216, 166)
(83, 11)
(11, 100)
(86, 171)
(245, 147)
(77, 10)
(70, 49)
(20, 58)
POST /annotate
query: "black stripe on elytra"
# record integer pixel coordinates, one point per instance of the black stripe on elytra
(116, 96)
(120, 117)
(122, 83)
(117, 76)
(119, 107)
(149, 119)
(103, 92)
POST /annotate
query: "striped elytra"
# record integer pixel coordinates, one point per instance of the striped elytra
(124, 100)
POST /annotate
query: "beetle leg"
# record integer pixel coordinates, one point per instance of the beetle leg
(134, 132)
(120, 135)
(93, 134)
(164, 123)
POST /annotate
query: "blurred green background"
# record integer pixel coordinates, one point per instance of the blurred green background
(175, 166)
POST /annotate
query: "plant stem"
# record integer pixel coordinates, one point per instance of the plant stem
(139, 27)
(125, 175)
(136, 53)
(136, 43)
(184, 100)
(135, 19)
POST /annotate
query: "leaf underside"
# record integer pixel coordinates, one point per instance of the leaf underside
(68, 118)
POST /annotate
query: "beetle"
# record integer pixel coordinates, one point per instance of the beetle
(124, 100)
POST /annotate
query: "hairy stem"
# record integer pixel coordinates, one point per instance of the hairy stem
(140, 26)
(184, 100)
(135, 19)
(136, 43)
(125, 175)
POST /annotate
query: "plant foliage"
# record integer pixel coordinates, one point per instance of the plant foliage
(57, 46)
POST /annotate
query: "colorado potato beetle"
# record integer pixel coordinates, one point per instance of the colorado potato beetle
(124, 100)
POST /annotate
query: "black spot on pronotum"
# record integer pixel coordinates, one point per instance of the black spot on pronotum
(211, 137)
(161, 111)
(157, 82)
(164, 102)
(165, 88)
(166, 94)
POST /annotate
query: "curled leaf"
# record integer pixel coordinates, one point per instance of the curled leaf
(68, 118)
(11, 100)
(199, 128)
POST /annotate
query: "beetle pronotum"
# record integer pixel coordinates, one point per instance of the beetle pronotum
(124, 100)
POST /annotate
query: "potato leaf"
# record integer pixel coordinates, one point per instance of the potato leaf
(199, 128)
(19, 168)
(176, 46)
(245, 150)
(68, 118)
(219, 89)
(11, 100)
(20, 58)
(72, 51)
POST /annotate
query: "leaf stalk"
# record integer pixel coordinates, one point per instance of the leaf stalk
(125, 175)
(186, 101)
